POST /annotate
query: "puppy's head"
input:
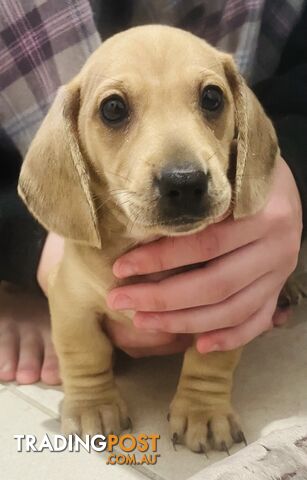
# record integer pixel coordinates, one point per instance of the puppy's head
(159, 127)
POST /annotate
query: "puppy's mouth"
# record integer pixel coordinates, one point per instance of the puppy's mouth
(182, 192)
(179, 201)
(190, 223)
(183, 223)
(150, 222)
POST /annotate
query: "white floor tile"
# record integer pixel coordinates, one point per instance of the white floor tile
(270, 392)
(19, 417)
(271, 381)
(149, 390)
(48, 397)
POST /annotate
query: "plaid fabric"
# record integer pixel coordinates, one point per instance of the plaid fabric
(43, 43)
(255, 31)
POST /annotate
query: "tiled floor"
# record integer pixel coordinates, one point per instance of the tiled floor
(270, 392)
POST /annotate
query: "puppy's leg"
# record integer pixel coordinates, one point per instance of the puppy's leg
(201, 414)
(92, 403)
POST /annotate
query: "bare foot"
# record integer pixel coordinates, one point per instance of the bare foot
(26, 351)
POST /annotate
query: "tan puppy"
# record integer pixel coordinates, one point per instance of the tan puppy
(157, 135)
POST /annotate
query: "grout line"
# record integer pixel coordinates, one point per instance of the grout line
(140, 469)
(147, 472)
(32, 402)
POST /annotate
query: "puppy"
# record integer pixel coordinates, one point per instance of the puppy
(158, 135)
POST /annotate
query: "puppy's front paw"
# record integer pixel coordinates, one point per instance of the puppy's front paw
(201, 428)
(89, 417)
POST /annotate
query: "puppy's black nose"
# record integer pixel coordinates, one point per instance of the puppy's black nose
(182, 191)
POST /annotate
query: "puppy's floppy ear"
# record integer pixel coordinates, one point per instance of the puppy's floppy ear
(54, 181)
(256, 145)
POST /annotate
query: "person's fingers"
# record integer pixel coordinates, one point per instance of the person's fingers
(233, 311)
(9, 340)
(30, 358)
(208, 285)
(282, 213)
(179, 345)
(231, 338)
(50, 368)
(173, 252)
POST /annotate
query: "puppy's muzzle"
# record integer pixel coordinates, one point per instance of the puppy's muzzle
(183, 194)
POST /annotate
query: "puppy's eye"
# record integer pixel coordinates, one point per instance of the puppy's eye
(113, 110)
(212, 98)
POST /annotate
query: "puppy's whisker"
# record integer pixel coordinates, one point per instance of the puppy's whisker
(101, 205)
(120, 204)
(117, 201)
(118, 191)
(104, 171)
(127, 179)
(134, 223)
(111, 195)
(211, 156)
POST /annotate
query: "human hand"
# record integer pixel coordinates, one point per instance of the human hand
(233, 297)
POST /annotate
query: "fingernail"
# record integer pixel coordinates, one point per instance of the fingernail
(125, 269)
(122, 302)
(149, 322)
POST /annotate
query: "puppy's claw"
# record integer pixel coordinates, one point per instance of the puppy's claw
(175, 440)
(242, 438)
(97, 440)
(224, 448)
(203, 450)
(73, 440)
(168, 416)
(129, 425)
